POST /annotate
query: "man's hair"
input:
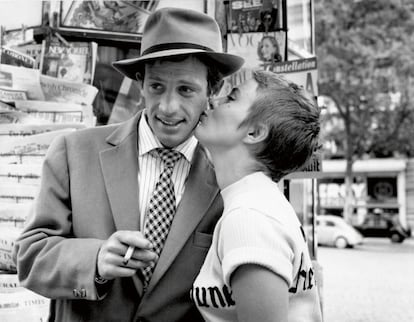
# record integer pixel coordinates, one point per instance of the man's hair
(292, 119)
(214, 77)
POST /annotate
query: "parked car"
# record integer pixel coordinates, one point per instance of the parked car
(335, 231)
(383, 225)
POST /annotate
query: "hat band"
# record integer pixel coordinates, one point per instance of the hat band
(174, 45)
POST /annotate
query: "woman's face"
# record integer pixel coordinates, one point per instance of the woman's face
(220, 127)
(267, 49)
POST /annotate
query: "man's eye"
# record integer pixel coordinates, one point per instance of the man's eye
(155, 86)
(186, 90)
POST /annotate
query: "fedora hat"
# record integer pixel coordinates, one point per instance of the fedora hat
(174, 31)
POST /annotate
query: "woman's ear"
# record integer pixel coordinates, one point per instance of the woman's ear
(256, 133)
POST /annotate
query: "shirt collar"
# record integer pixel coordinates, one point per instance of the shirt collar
(147, 141)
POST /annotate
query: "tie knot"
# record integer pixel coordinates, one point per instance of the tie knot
(169, 157)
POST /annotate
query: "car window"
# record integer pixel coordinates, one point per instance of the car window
(330, 223)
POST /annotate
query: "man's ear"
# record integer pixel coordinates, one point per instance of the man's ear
(256, 133)
(139, 80)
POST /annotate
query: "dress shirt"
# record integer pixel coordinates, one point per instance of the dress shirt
(150, 166)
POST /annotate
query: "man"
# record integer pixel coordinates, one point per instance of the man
(97, 232)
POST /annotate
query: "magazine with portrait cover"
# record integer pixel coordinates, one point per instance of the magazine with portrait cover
(13, 57)
(71, 61)
(31, 50)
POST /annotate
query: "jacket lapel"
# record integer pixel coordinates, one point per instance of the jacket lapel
(198, 196)
(120, 168)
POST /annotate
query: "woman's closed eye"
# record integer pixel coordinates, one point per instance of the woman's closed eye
(231, 98)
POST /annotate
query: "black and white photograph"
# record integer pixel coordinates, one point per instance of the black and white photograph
(206, 161)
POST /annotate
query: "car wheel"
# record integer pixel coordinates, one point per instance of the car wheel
(396, 238)
(341, 242)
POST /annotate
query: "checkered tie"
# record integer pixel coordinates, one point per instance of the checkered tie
(161, 208)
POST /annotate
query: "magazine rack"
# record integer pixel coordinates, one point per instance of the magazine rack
(109, 23)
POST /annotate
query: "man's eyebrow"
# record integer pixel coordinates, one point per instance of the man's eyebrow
(154, 77)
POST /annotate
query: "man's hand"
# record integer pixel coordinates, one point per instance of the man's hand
(111, 255)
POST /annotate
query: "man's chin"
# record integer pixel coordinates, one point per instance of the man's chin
(170, 140)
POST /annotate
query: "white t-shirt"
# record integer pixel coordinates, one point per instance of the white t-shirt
(258, 226)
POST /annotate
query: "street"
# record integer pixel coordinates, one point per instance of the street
(373, 282)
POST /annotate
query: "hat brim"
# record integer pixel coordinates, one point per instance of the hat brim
(226, 63)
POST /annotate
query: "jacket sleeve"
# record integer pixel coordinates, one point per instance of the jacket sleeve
(50, 260)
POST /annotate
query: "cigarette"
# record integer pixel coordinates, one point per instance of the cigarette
(128, 255)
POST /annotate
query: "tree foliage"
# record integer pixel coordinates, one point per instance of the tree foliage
(364, 51)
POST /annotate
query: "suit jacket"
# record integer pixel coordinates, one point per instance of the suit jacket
(89, 190)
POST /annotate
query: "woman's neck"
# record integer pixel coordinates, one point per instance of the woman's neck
(232, 165)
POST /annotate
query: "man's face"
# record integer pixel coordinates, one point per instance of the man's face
(220, 127)
(175, 96)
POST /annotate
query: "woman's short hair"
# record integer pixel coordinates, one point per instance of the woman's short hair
(214, 77)
(292, 119)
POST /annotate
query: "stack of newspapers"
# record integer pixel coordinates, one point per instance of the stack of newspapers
(36, 106)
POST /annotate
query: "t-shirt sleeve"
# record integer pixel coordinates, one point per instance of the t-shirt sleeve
(247, 236)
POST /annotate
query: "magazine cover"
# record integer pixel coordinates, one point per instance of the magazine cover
(260, 50)
(32, 50)
(254, 16)
(75, 63)
(113, 16)
(12, 57)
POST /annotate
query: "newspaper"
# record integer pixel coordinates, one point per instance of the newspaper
(75, 62)
(22, 79)
(28, 150)
(10, 56)
(31, 50)
(11, 117)
(60, 90)
(23, 305)
(14, 213)
(21, 130)
(9, 283)
(8, 236)
(11, 95)
(5, 107)
(18, 192)
(20, 173)
(58, 112)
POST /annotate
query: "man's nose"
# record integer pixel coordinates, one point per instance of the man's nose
(169, 103)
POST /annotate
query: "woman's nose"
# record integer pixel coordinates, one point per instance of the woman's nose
(217, 101)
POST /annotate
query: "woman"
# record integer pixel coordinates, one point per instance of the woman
(268, 50)
(258, 267)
